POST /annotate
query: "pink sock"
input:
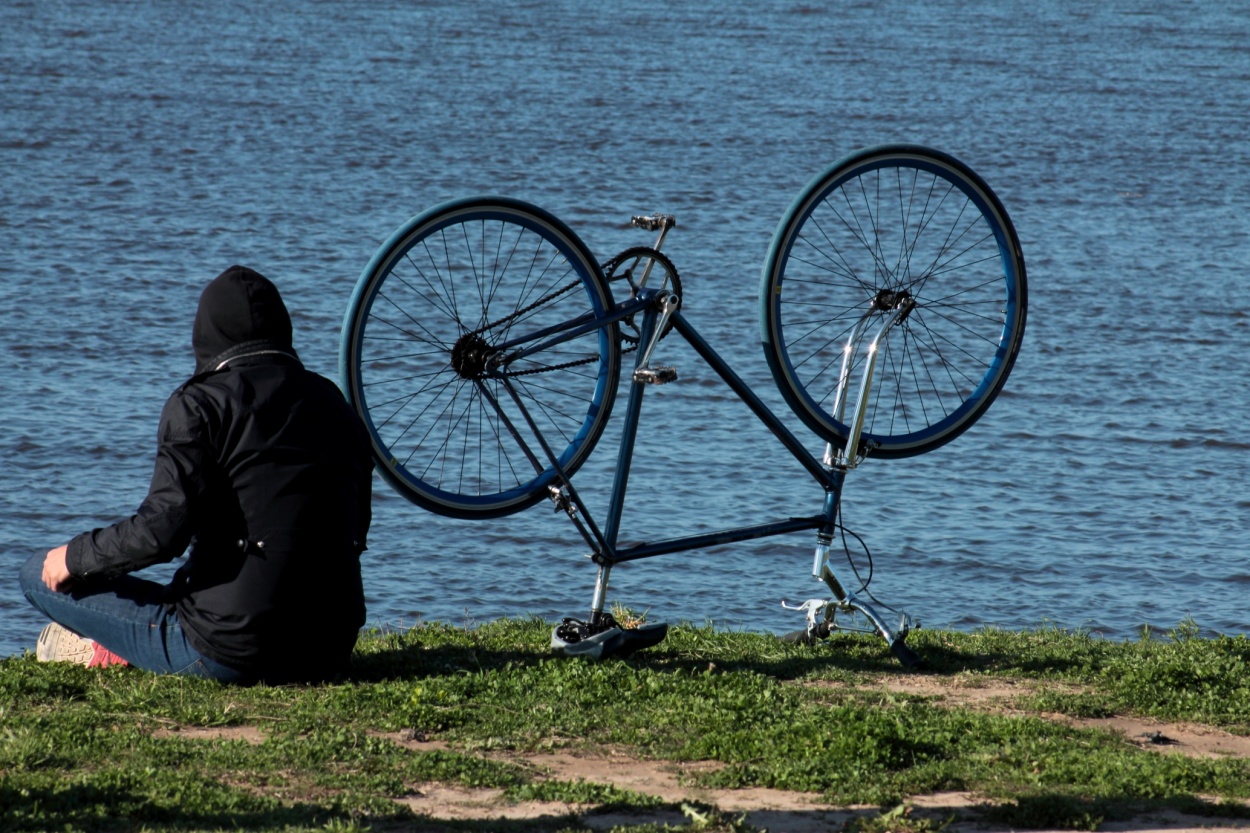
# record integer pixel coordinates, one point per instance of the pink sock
(102, 657)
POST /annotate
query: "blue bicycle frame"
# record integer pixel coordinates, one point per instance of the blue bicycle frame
(658, 308)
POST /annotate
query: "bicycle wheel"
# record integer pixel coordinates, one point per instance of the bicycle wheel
(883, 225)
(428, 356)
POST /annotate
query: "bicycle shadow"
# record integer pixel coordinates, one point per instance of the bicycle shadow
(870, 655)
(409, 654)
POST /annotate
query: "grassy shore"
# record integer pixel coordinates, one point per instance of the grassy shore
(482, 708)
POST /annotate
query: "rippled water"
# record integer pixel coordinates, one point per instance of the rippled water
(144, 148)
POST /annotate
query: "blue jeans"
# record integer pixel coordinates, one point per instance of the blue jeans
(128, 616)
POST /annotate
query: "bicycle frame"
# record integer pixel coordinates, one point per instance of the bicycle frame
(657, 308)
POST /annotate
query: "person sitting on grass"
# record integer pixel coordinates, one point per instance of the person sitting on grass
(264, 471)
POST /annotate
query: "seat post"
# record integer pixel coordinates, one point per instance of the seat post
(601, 594)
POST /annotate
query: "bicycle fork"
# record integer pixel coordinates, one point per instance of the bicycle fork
(822, 614)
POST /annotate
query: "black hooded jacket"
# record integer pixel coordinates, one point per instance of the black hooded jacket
(263, 470)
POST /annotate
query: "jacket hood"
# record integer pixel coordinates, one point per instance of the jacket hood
(240, 311)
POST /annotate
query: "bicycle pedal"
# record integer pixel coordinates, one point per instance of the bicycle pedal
(658, 375)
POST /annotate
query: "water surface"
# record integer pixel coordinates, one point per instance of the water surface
(145, 147)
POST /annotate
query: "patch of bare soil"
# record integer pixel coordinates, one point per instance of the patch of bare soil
(773, 810)
(787, 812)
(1186, 739)
(777, 810)
(248, 733)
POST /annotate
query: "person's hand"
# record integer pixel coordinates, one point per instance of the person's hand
(55, 572)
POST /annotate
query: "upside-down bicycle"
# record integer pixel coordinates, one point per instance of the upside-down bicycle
(483, 344)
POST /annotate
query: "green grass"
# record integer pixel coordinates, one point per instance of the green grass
(85, 749)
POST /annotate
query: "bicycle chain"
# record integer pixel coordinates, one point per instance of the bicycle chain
(523, 310)
(550, 368)
(565, 365)
(608, 268)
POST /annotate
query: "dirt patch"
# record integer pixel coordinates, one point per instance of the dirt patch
(1157, 735)
(247, 733)
(959, 690)
(462, 804)
(1194, 741)
(767, 809)
(777, 810)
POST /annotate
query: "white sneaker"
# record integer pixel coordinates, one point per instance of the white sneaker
(58, 643)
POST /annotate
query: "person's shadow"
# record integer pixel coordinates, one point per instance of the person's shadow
(410, 660)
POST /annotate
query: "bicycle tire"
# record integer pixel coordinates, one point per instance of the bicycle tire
(422, 332)
(895, 219)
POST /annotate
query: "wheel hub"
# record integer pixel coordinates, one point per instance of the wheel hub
(470, 355)
(888, 299)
